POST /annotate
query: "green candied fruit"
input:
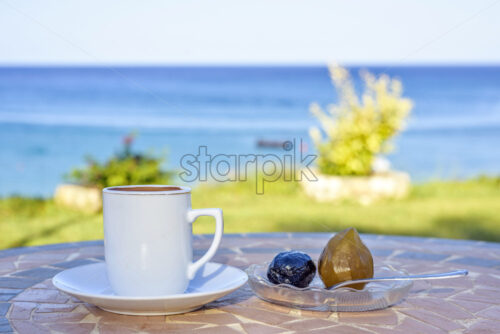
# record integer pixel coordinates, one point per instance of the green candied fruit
(345, 258)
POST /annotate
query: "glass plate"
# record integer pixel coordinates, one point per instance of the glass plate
(374, 296)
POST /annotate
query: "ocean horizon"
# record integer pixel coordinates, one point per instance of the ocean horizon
(52, 117)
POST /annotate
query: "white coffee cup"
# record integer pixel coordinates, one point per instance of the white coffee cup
(148, 239)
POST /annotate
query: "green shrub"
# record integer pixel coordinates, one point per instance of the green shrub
(357, 129)
(124, 168)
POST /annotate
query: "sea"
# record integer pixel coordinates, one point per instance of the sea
(51, 118)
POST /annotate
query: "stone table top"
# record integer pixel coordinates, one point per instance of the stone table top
(29, 303)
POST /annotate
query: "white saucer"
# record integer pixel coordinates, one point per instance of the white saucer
(90, 284)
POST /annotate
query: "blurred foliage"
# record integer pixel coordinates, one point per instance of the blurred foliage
(357, 129)
(124, 168)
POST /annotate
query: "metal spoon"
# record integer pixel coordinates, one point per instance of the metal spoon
(451, 274)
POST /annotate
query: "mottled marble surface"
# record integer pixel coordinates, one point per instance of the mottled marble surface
(29, 303)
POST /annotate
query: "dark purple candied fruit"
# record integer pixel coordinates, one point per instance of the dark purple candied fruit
(293, 267)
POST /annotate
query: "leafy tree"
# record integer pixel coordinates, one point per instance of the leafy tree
(355, 130)
(124, 168)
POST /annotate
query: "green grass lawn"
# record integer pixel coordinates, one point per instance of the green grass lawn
(468, 210)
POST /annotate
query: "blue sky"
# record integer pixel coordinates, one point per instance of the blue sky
(249, 32)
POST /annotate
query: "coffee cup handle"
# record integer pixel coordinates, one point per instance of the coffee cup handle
(219, 228)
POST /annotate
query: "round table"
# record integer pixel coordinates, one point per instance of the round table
(29, 303)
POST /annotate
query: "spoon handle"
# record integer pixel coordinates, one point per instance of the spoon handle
(450, 274)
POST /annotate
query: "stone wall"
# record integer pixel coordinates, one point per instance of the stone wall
(88, 199)
(364, 189)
